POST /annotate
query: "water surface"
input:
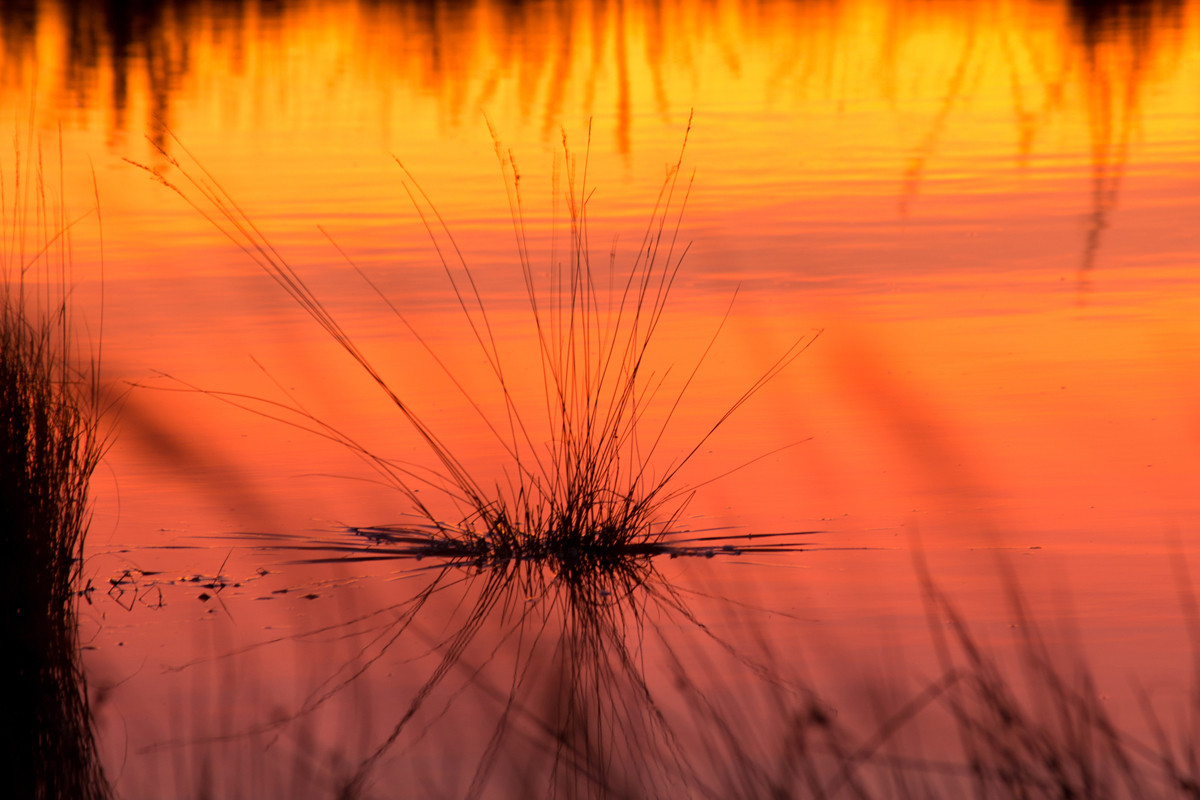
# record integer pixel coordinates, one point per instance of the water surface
(987, 209)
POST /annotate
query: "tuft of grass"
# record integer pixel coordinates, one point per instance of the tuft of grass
(590, 494)
(50, 444)
(563, 546)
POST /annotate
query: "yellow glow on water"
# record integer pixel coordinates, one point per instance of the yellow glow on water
(911, 68)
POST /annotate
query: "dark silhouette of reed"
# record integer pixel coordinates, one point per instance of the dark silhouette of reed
(589, 494)
(581, 519)
(50, 443)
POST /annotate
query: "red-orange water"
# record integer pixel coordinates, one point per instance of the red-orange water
(988, 209)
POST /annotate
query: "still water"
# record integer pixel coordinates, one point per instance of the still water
(986, 210)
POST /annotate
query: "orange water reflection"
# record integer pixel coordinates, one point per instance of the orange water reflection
(982, 205)
(987, 207)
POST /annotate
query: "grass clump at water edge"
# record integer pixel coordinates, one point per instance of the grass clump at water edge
(50, 444)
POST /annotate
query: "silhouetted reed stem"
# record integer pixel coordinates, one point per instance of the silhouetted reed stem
(49, 446)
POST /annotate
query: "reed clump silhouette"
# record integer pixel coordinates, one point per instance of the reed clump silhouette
(557, 555)
(50, 444)
(588, 493)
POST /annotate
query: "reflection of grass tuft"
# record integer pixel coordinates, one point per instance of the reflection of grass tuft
(583, 487)
(50, 444)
